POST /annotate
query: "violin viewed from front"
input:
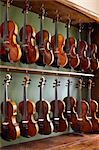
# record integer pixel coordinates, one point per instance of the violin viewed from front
(28, 125)
(70, 49)
(93, 110)
(92, 51)
(83, 123)
(46, 56)
(30, 53)
(9, 127)
(70, 104)
(43, 110)
(57, 108)
(57, 44)
(82, 51)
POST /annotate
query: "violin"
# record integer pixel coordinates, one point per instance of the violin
(70, 49)
(28, 125)
(70, 103)
(57, 44)
(94, 60)
(3, 52)
(82, 51)
(9, 127)
(57, 108)
(9, 49)
(30, 53)
(82, 123)
(43, 37)
(92, 51)
(43, 110)
(93, 109)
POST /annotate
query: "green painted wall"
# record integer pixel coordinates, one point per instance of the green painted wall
(15, 88)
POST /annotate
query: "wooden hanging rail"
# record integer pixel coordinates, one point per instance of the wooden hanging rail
(64, 10)
(41, 71)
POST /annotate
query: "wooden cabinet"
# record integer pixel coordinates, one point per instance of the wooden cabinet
(95, 39)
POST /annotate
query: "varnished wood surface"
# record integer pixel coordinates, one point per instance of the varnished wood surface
(63, 142)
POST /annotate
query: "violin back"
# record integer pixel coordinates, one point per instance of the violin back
(10, 44)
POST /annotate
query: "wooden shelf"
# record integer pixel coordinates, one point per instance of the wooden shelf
(41, 71)
(65, 10)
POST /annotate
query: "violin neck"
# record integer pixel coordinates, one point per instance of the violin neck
(80, 102)
(5, 103)
(56, 34)
(5, 35)
(25, 104)
(56, 103)
(68, 41)
(41, 32)
(68, 98)
(79, 40)
(68, 30)
(89, 44)
(41, 107)
(24, 28)
(89, 99)
(89, 38)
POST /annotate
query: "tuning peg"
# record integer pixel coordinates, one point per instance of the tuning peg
(93, 84)
(83, 84)
(77, 87)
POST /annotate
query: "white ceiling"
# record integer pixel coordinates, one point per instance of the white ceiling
(92, 5)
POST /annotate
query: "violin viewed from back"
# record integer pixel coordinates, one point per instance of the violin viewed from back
(57, 108)
(30, 53)
(9, 127)
(9, 49)
(43, 41)
(43, 110)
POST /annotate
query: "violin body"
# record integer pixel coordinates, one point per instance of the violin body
(82, 124)
(44, 123)
(74, 58)
(94, 119)
(59, 54)
(84, 60)
(70, 117)
(10, 128)
(10, 45)
(3, 52)
(46, 56)
(94, 61)
(30, 53)
(70, 46)
(28, 126)
(59, 122)
(94, 64)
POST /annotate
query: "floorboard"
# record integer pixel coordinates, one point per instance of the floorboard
(63, 142)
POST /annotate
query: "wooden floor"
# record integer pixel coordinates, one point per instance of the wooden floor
(63, 142)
